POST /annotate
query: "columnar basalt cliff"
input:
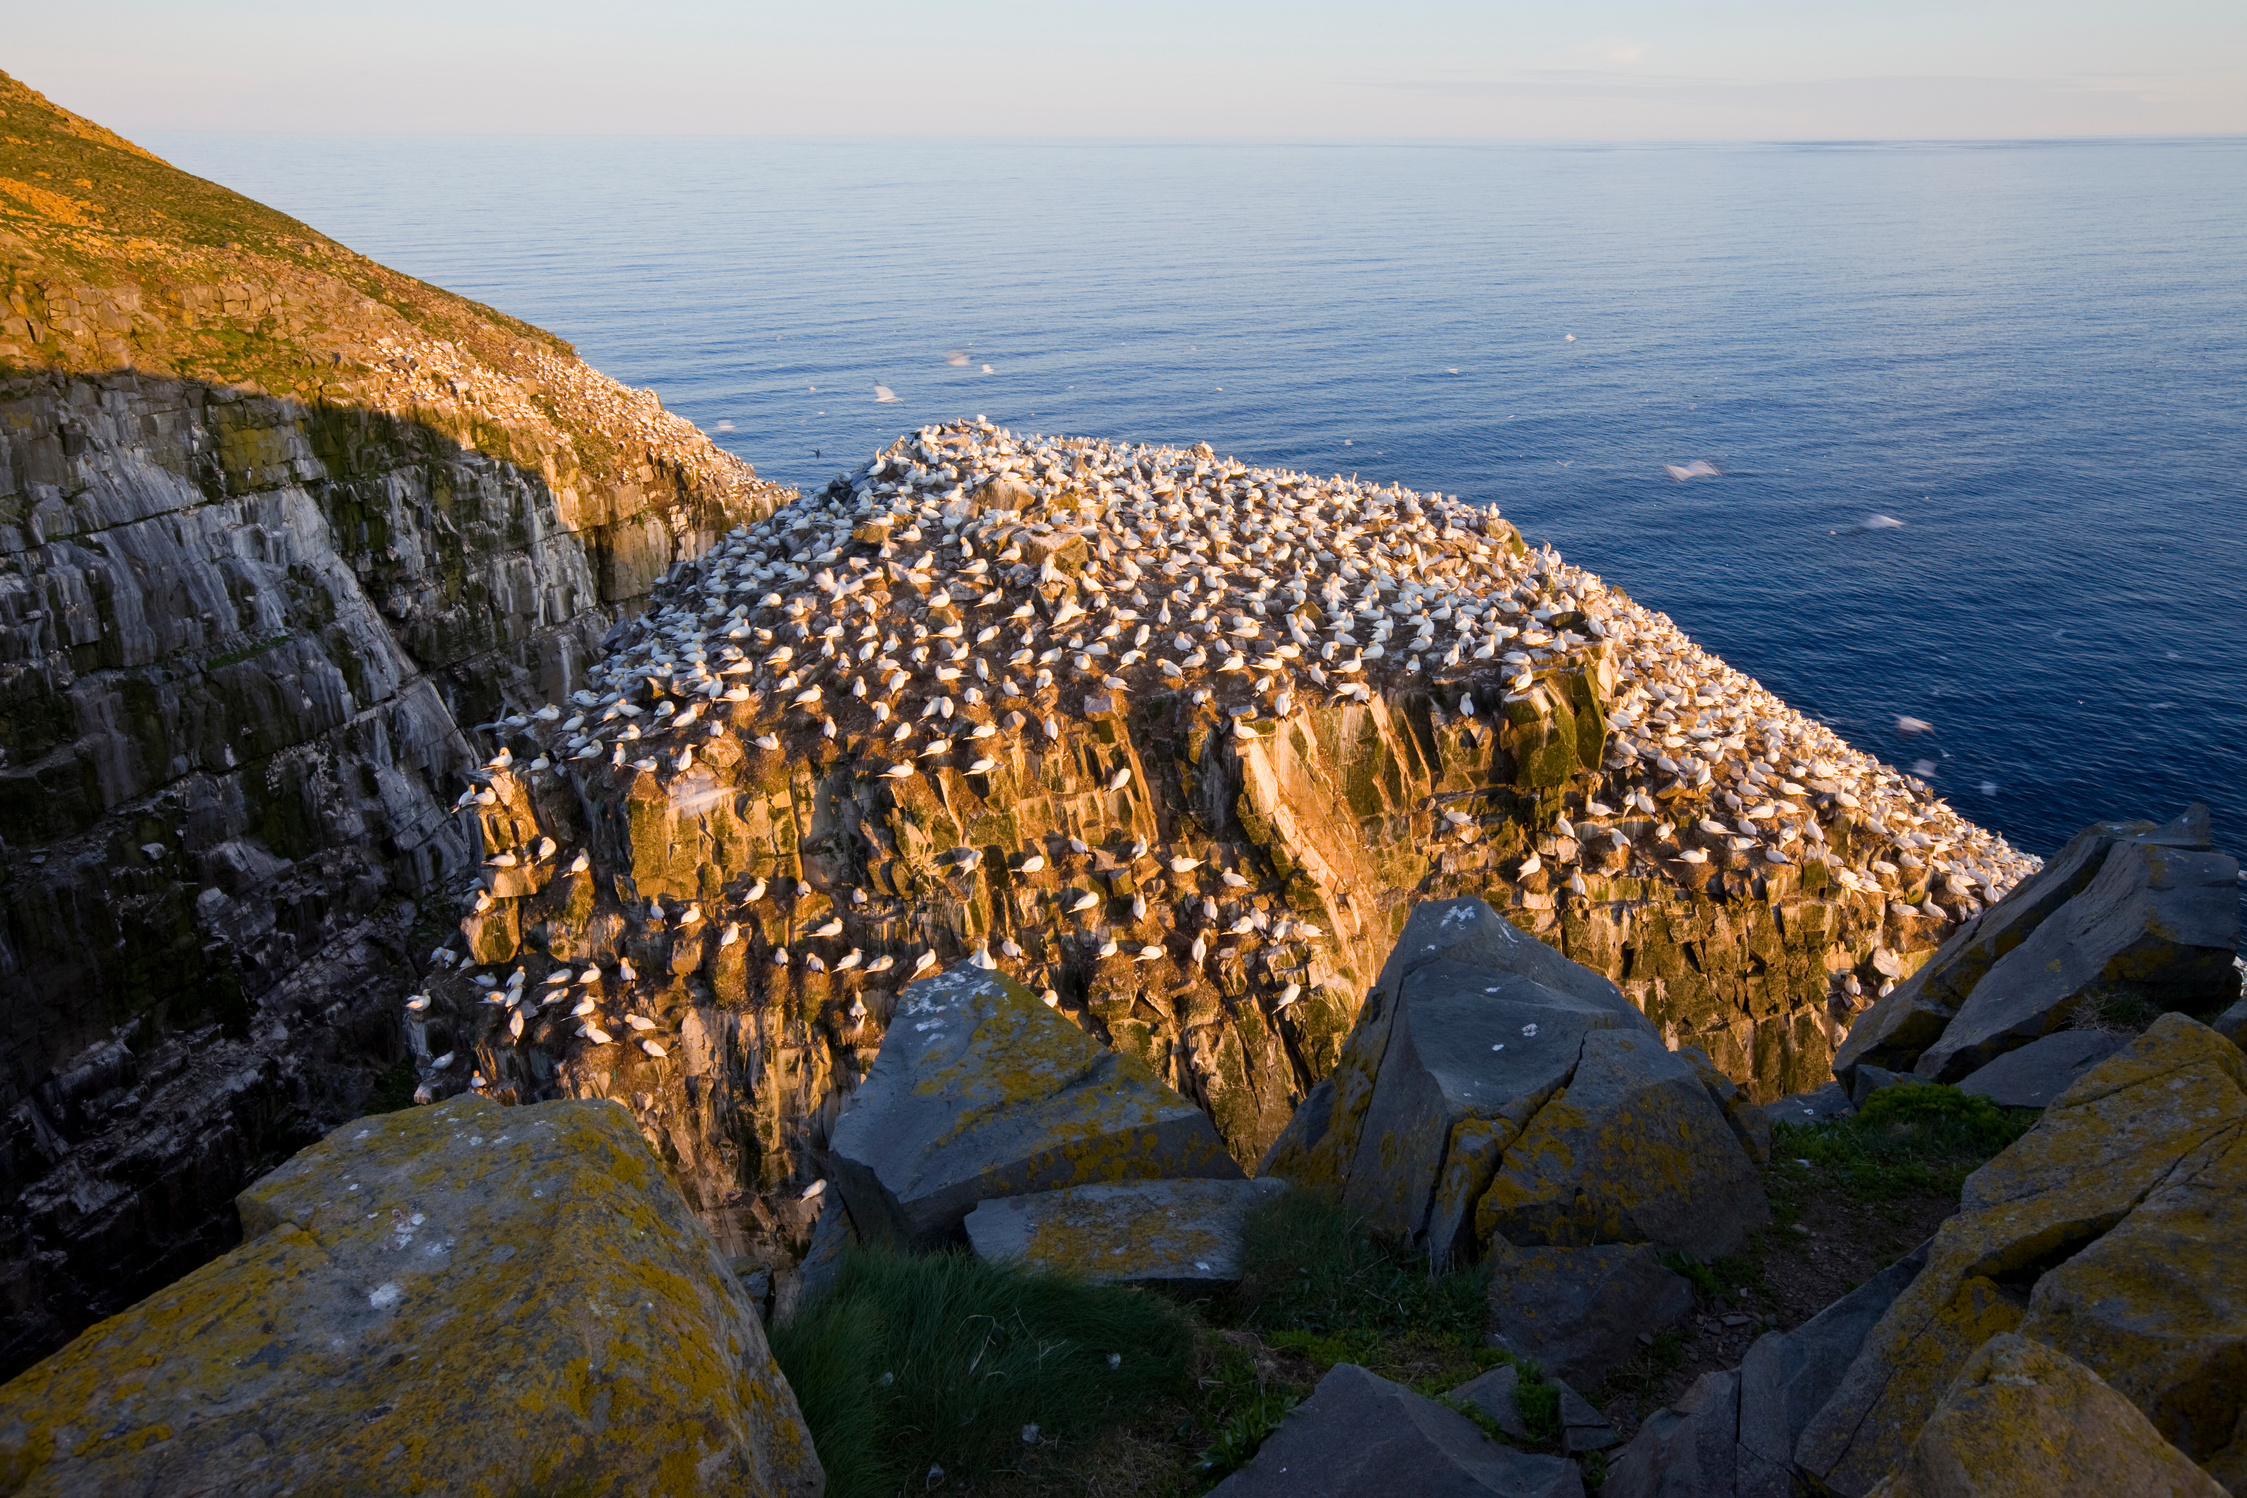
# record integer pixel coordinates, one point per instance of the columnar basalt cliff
(276, 525)
(1175, 741)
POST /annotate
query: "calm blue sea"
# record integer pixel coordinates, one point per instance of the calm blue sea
(2033, 355)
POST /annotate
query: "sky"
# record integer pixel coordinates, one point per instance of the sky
(1150, 69)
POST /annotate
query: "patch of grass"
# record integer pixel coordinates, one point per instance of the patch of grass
(1242, 1432)
(915, 1364)
(1919, 1138)
(1310, 1267)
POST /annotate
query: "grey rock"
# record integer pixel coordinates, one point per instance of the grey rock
(1866, 1079)
(2041, 1070)
(426, 1294)
(1494, 1391)
(2232, 1024)
(981, 1091)
(1468, 931)
(1139, 1232)
(1817, 1106)
(831, 1235)
(2161, 920)
(1910, 1017)
(1582, 1428)
(1787, 1377)
(1578, 1312)
(1690, 1450)
(1632, 1150)
(1467, 1041)
(1362, 1436)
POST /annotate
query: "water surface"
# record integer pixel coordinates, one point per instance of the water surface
(2033, 355)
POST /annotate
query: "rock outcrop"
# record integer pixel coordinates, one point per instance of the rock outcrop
(1493, 1093)
(459, 1299)
(980, 1091)
(1179, 743)
(2023, 1420)
(1360, 1433)
(2128, 911)
(2107, 1233)
(278, 526)
(1174, 1232)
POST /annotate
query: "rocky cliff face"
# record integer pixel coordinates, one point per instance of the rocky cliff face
(1023, 702)
(276, 526)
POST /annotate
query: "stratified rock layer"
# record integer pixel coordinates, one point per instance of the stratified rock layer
(276, 525)
(460, 1299)
(1180, 743)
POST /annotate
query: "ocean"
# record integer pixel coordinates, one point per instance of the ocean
(2031, 355)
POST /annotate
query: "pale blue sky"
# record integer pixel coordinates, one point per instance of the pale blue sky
(1303, 69)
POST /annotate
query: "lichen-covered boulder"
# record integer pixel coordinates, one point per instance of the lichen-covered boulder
(2160, 922)
(1321, 1145)
(2043, 1069)
(1146, 1232)
(458, 1299)
(1579, 1312)
(2024, 1420)
(981, 1091)
(1632, 1150)
(2155, 1127)
(1360, 1434)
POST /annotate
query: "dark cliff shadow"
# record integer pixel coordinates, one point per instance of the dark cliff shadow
(243, 644)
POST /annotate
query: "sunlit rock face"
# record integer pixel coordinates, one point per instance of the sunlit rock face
(1176, 743)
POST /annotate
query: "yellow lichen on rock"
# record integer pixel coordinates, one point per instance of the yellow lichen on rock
(2023, 1420)
(2156, 1128)
(459, 1299)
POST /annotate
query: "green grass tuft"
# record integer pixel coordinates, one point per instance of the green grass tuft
(1310, 1267)
(1918, 1138)
(914, 1363)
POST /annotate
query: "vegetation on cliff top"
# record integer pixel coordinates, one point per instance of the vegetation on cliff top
(114, 259)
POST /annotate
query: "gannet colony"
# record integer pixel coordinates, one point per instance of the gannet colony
(925, 639)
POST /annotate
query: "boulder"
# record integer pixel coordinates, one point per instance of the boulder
(463, 1298)
(1359, 1435)
(1787, 1377)
(1686, 1451)
(1902, 1025)
(1495, 1393)
(981, 1091)
(2155, 1126)
(2161, 922)
(1632, 1150)
(1816, 1106)
(2158, 1306)
(1147, 1232)
(1733, 1433)
(2043, 1069)
(2232, 1023)
(1467, 1043)
(2023, 1420)
(1320, 1146)
(1578, 1312)
(1866, 1079)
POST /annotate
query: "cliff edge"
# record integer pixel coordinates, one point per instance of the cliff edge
(276, 524)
